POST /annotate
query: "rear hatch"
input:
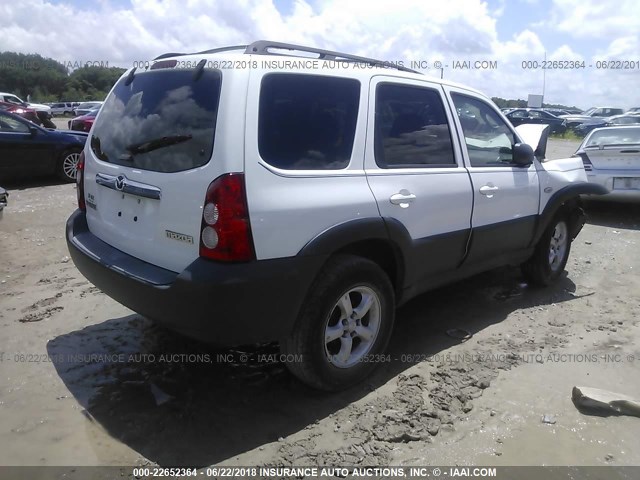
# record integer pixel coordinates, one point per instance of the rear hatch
(613, 148)
(147, 159)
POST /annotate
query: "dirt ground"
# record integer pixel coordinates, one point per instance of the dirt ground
(85, 381)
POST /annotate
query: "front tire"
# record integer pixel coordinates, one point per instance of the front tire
(67, 167)
(344, 323)
(551, 254)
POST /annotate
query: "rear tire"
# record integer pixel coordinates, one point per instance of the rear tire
(344, 325)
(67, 166)
(551, 254)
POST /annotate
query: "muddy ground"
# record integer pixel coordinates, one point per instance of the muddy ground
(85, 381)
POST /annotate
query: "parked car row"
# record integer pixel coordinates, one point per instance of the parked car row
(560, 121)
(73, 108)
(625, 119)
(574, 120)
(520, 116)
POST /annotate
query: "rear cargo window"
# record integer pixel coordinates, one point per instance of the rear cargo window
(614, 136)
(307, 122)
(164, 121)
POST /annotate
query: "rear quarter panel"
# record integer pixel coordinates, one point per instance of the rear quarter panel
(288, 208)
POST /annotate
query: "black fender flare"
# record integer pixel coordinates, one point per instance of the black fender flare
(341, 236)
(570, 193)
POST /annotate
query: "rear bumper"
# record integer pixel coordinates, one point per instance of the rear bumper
(223, 304)
(606, 177)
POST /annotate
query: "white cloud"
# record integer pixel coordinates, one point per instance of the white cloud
(401, 30)
(596, 18)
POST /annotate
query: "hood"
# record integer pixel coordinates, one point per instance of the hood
(70, 136)
(535, 135)
(40, 107)
(595, 120)
(580, 118)
(76, 133)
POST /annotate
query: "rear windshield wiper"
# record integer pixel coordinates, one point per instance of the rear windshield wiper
(157, 143)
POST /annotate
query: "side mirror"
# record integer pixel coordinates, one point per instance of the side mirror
(522, 155)
(33, 131)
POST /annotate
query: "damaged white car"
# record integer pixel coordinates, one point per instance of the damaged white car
(302, 201)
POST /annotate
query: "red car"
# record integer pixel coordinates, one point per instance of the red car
(84, 122)
(25, 112)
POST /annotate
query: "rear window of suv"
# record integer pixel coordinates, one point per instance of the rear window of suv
(163, 121)
(307, 122)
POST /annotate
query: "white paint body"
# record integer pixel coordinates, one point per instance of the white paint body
(289, 208)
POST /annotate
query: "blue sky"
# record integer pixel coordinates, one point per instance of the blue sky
(121, 32)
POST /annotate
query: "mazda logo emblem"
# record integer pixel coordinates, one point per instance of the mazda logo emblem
(120, 182)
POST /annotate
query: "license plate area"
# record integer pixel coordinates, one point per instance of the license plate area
(131, 215)
(626, 183)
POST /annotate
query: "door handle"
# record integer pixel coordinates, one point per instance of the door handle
(402, 198)
(488, 190)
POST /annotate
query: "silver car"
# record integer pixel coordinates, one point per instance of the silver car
(611, 157)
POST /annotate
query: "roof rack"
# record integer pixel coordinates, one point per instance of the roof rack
(263, 47)
(205, 52)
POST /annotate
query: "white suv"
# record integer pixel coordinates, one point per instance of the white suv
(242, 197)
(63, 108)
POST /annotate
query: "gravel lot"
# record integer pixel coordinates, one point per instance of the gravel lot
(85, 381)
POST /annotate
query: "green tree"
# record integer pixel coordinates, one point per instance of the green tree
(47, 80)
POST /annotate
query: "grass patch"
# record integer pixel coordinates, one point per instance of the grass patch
(568, 135)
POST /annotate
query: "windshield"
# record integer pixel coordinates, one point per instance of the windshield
(163, 121)
(590, 111)
(13, 99)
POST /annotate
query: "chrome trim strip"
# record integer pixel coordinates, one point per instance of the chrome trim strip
(122, 184)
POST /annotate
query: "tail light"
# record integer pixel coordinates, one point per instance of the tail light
(225, 233)
(80, 183)
(588, 166)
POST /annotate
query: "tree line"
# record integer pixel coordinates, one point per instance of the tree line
(503, 103)
(47, 80)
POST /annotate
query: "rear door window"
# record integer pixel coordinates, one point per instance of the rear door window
(163, 121)
(307, 122)
(411, 128)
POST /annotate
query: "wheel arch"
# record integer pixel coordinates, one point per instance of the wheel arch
(368, 238)
(567, 199)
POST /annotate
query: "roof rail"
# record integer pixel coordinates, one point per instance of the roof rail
(213, 50)
(262, 47)
(223, 49)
